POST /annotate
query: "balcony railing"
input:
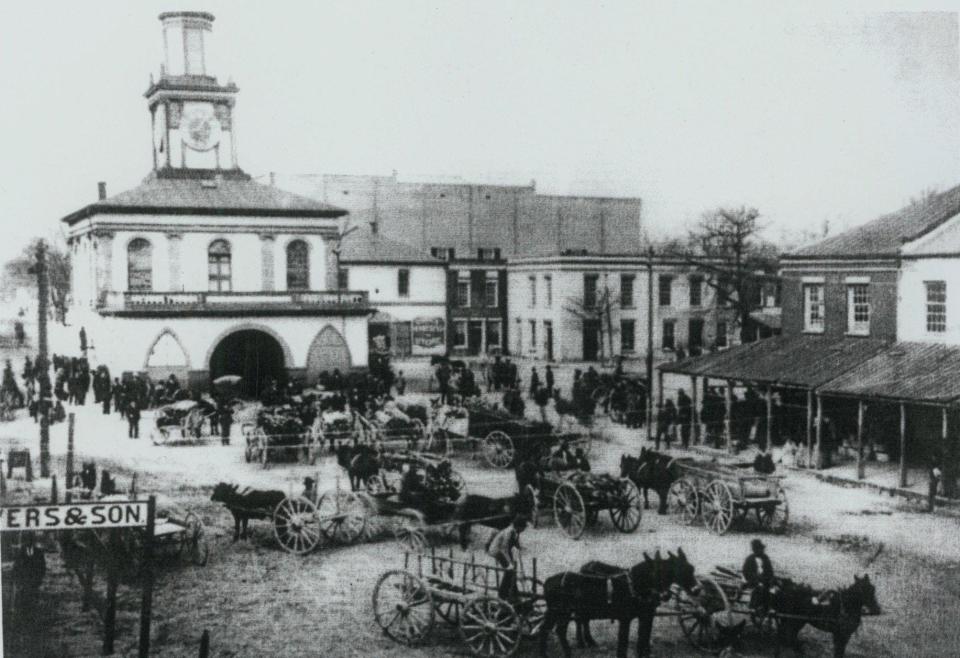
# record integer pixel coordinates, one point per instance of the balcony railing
(291, 301)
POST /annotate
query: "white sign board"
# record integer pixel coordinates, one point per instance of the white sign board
(74, 516)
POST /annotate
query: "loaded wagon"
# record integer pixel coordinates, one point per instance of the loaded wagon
(720, 494)
(186, 420)
(464, 594)
(280, 435)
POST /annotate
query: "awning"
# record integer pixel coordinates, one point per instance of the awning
(768, 317)
(381, 317)
(904, 372)
(802, 361)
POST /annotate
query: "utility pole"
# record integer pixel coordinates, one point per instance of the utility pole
(42, 365)
(650, 418)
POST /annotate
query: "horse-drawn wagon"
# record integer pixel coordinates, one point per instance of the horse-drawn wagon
(281, 435)
(578, 497)
(721, 494)
(406, 603)
(186, 420)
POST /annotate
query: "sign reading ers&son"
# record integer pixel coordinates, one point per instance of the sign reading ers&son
(74, 516)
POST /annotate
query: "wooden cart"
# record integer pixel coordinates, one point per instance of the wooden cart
(577, 498)
(720, 494)
(406, 603)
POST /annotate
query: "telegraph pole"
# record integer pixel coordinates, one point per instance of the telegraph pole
(650, 418)
(43, 368)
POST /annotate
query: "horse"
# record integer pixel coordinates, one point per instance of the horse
(246, 504)
(495, 513)
(837, 612)
(609, 592)
(359, 461)
(651, 470)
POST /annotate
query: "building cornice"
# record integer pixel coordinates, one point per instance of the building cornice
(176, 230)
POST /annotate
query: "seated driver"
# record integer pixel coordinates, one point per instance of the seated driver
(758, 573)
(412, 489)
(563, 459)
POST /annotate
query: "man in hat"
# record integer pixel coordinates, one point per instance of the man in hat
(309, 488)
(758, 572)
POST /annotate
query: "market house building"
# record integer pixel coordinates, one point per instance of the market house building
(199, 270)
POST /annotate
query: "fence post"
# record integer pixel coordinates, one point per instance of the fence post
(205, 644)
(71, 419)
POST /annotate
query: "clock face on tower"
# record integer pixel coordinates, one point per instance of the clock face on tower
(199, 127)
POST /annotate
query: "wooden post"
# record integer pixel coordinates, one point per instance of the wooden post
(113, 577)
(653, 416)
(44, 393)
(146, 602)
(205, 644)
(818, 435)
(71, 419)
(769, 397)
(3, 480)
(903, 444)
(696, 409)
(728, 408)
(54, 494)
(861, 470)
(809, 444)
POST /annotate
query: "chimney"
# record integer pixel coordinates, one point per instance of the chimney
(102, 190)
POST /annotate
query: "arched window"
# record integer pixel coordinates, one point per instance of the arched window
(218, 265)
(298, 266)
(139, 265)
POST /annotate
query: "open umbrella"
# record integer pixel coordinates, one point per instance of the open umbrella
(228, 380)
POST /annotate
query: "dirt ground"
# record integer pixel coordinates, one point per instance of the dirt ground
(257, 600)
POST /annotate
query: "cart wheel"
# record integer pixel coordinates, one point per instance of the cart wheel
(490, 627)
(403, 607)
(682, 499)
(193, 542)
(718, 507)
(498, 449)
(375, 484)
(449, 611)
(531, 504)
(627, 514)
(296, 525)
(701, 615)
(774, 516)
(569, 510)
(342, 516)
(411, 536)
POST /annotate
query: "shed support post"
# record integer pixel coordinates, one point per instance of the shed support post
(728, 407)
(903, 444)
(654, 413)
(817, 457)
(696, 409)
(769, 417)
(861, 469)
(809, 442)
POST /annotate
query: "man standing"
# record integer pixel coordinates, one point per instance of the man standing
(133, 418)
(225, 418)
(548, 378)
(758, 572)
(534, 382)
(29, 568)
(501, 548)
(684, 416)
(443, 380)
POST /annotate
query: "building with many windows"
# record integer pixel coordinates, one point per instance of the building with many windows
(585, 307)
(200, 271)
(477, 304)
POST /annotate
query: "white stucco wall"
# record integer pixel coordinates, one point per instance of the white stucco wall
(912, 299)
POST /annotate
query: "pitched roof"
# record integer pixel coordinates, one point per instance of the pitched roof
(884, 236)
(206, 193)
(928, 372)
(364, 246)
(804, 361)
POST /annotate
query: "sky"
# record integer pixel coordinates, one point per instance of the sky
(823, 112)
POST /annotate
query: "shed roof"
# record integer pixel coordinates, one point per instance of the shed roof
(909, 372)
(206, 192)
(884, 236)
(805, 361)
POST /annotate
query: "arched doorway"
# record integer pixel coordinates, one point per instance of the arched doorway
(327, 351)
(254, 355)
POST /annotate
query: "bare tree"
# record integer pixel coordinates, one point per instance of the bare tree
(18, 273)
(601, 309)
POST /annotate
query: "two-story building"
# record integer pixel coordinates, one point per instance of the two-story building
(583, 307)
(201, 271)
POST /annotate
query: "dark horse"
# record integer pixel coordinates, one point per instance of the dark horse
(495, 513)
(359, 461)
(836, 612)
(651, 470)
(603, 591)
(246, 504)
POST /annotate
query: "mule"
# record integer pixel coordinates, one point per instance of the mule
(838, 612)
(651, 470)
(359, 461)
(609, 592)
(246, 504)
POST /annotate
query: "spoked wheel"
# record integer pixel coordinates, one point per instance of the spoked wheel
(375, 484)
(628, 512)
(403, 607)
(531, 504)
(569, 510)
(703, 614)
(682, 499)
(775, 516)
(342, 516)
(498, 449)
(411, 536)
(193, 541)
(718, 508)
(296, 525)
(490, 627)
